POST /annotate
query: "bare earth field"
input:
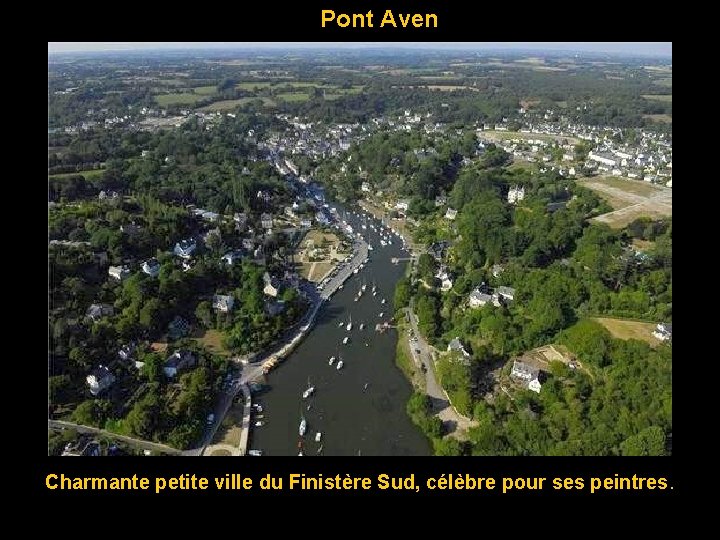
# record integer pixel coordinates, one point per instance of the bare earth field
(623, 329)
(631, 199)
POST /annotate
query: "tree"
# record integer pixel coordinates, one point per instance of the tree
(203, 312)
(402, 293)
(649, 442)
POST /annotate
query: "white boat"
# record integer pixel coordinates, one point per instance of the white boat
(383, 243)
(356, 271)
(340, 287)
(309, 392)
(370, 248)
(300, 453)
(303, 427)
(374, 288)
(362, 326)
(255, 452)
(382, 301)
(381, 314)
(363, 287)
(348, 327)
(318, 436)
(345, 340)
(365, 387)
(374, 293)
(259, 423)
(330, 362)
(340, 364)
(356, 298)
(340, 324)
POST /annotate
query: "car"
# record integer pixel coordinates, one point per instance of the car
(210, 419)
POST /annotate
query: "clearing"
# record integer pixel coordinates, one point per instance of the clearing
(624, 329)
(212, 339)
(659, 97)
(630, 200)
(230, 104)
(165, 100)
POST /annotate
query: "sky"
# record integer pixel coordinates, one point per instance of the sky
(655, 48)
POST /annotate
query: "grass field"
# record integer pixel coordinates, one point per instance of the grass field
(664, 118)
(665, 81)
(623, 329)
(659, 97)
(630, 200)
(165, 100)
(205, 90)
(293, 97)
(230, 104)
(230, 429)
(212, 339)
(92, 173)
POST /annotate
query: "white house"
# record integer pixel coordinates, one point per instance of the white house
(119, 272)
(528, 373)
(663, 331)
(223, 302)
(365, 187)
(185, 248)
(440, 200)
(516, 193)
(504, 294)
(272, 286)
(605, 159)
(266, 220)
(478, 299)
(402, 205)
(99, 379)
(231, 257)
(151, 267)
(451, 214)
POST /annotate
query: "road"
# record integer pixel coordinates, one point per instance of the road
(147, 445)
(441, 406)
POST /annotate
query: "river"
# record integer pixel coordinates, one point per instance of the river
(354, 419)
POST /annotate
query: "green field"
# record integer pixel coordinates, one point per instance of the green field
(230, 104)
(165, 100)
(664, 118)
(667, 98)
(293, 97)
(91, 173)
(205, 90)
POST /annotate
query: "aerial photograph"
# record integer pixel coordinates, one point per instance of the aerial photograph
(360, 249)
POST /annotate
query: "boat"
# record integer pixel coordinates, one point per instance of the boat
(340, 287)
(345, 340)
(381, 314)
(365, 387)
(340, 324)
(330, 362)
(362, 326)
(308, 392)
(319, 450)
(363, 287)
(348, 327)
(318, 436)
(259, 423)
(374, 288)
(300, 453)
(303, 426)
(356, 271)
(370, 248)
(309, 407)
(340, 364)
(382, 301)
(374, 293)
(255, 452)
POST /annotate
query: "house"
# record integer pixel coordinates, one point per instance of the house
(240, 220)
(456, 345)
(185, 248)
(440, 200)
(439, 249)
(402, 206)
(178, 328)
(516, 194)
(98, 311)
(130, 229)
(272, 285)
(524, 371)
(366, 187)
(248, 244)
(478, 298)
(223, 302)
(119, 272)
(451, 214)
(210, 216)
(127, 351)
(555, 206)
(306, 223)
(266, 220)
(535, 386)
(663, 332)
(275, 307)
(151, 267)
(507, 294)
(178, 361)
(99, 379)
(232, 257)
